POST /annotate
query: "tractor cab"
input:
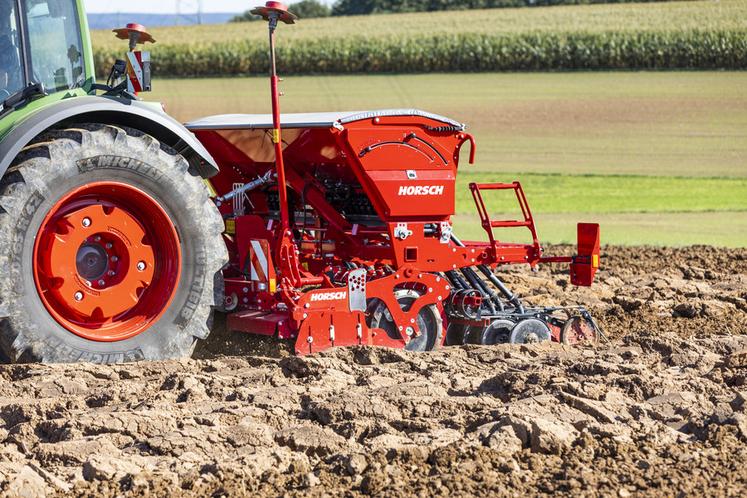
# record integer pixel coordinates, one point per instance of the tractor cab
(41, 49)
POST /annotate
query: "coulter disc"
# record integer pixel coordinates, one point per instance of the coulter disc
(530, 331)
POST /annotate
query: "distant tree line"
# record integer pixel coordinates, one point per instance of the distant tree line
(362, 7)
(306, 9)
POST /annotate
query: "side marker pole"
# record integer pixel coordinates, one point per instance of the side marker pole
(273, 12)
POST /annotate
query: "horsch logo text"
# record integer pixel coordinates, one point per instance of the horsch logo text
(329, 296)
(421, 190)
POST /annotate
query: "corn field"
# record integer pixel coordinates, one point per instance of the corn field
(679, 35)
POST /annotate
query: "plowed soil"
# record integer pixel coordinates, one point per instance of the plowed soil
(659, 410)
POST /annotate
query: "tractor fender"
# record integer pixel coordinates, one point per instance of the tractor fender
(112, 111)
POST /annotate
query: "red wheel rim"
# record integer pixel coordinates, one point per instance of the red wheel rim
(107, 261)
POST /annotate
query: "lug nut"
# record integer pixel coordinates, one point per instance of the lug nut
(78, 296)
(102, 283)
(109, 245)
(114, 259)
(141, 265)
(111, 273)
(97, 239)
(86, 222)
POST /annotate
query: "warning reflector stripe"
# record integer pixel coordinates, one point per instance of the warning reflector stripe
(259, 266)
(135, 70)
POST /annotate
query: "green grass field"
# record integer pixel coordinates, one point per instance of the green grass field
(656, 157)
(725, 228)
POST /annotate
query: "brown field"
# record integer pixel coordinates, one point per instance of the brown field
(659, 410)
(672, 124)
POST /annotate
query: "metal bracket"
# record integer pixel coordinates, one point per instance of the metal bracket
(357, 290)
(446, 231)
(238, 201)
(401, 232)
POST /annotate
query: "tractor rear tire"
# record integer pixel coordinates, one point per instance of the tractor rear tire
(110, 250)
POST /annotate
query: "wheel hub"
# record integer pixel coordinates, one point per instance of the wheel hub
(92, 261)
(106, 261)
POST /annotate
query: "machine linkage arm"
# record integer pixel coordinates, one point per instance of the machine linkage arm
(268, 177)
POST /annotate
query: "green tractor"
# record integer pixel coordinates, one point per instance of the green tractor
(90, 172)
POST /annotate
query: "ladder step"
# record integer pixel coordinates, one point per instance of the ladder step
(510, 223)
(496, 186)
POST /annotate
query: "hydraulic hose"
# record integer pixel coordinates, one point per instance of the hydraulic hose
(512, 298)
(457, 280)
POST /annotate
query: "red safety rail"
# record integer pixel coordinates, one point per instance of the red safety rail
(489, 225)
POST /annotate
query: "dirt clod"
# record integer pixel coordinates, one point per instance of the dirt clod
(660, 409)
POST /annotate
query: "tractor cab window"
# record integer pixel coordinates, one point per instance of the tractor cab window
(11, 71)
(54, 43)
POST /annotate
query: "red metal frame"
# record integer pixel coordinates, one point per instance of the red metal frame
(359, 216)
(375, 194)
(368, 156)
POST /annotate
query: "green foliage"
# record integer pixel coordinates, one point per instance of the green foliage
(461, 52)
(309, 9)
(685, 35)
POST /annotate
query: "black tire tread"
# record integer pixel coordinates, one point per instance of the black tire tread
(30, 173)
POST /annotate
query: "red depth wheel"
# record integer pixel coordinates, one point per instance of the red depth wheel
(578, 330)
(107, 261)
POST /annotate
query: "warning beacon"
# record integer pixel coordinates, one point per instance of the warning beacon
(138, 63)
